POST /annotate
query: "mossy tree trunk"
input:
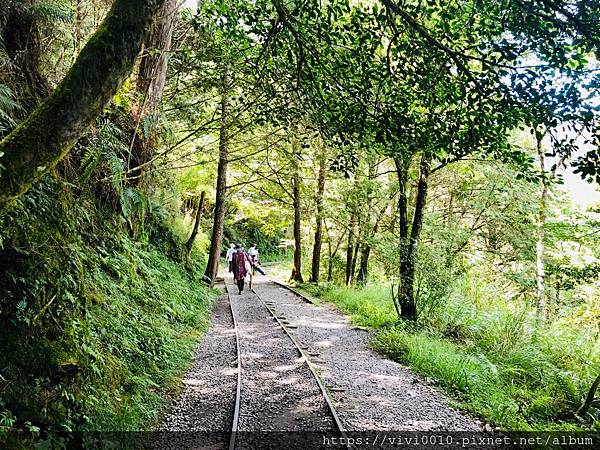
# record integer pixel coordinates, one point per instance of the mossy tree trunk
(49, 133)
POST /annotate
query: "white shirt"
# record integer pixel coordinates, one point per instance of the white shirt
(229, 255)
(253, 252)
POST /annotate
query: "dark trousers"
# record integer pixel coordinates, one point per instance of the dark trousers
(262, 272)
(230, 266)
(240, 284)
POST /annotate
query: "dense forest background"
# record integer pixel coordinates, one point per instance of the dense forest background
(403, 160)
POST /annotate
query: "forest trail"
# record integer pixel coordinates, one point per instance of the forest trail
(369, 392)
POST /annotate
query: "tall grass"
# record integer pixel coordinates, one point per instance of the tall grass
(486, 353)
(369, 306)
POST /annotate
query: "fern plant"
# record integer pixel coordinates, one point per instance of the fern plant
(8, 108)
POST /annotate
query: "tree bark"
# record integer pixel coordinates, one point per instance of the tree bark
(409, 244)
(316, 255)
(151, 80)
(190, 243)
(49, 133)
(297, 269)
(539, 243)
(350, 249)
(153, 66)
(214, 254)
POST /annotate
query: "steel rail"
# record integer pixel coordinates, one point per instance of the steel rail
(293, 291)
(332, 410)
(236, 410)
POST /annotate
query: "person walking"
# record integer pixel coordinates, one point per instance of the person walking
(253, 253)
(229, 257)
(240, 264)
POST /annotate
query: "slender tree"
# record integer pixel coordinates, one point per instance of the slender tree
(214, 253)
(197, 216)
(539, 241)
(297, 269)
(318, 242)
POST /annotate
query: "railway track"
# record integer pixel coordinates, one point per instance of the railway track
(236, 429)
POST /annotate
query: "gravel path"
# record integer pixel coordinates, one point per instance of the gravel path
(204, 412)
(278, 392)
(281, 404)
(371, 392)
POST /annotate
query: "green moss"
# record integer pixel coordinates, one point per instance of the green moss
(97, 328)
(49, 133)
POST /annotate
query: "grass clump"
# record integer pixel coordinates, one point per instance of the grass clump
(369, 305)
(488, 355)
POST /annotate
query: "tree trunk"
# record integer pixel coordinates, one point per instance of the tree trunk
(316, 255)
(49, 133)
(78, 23)
(406, 298)
(153, 66)
(297, 269)
(151, 82)
(190, 243)
(350, 249)
(402, 166)
(332, 251)
(589, 399)
(539, 243)
(363, 269)
(365, 234)
(355, 255)
(21, 41)
(214, 254)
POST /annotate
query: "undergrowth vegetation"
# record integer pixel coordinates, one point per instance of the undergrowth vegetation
(490, 357)
(97, 326)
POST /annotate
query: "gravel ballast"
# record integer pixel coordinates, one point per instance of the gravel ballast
(281, 404)
(278, 392)
(204, 411)
(371, 393)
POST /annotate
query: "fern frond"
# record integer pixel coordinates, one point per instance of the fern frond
(8, 107)
(51, 12)
(90, 161)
